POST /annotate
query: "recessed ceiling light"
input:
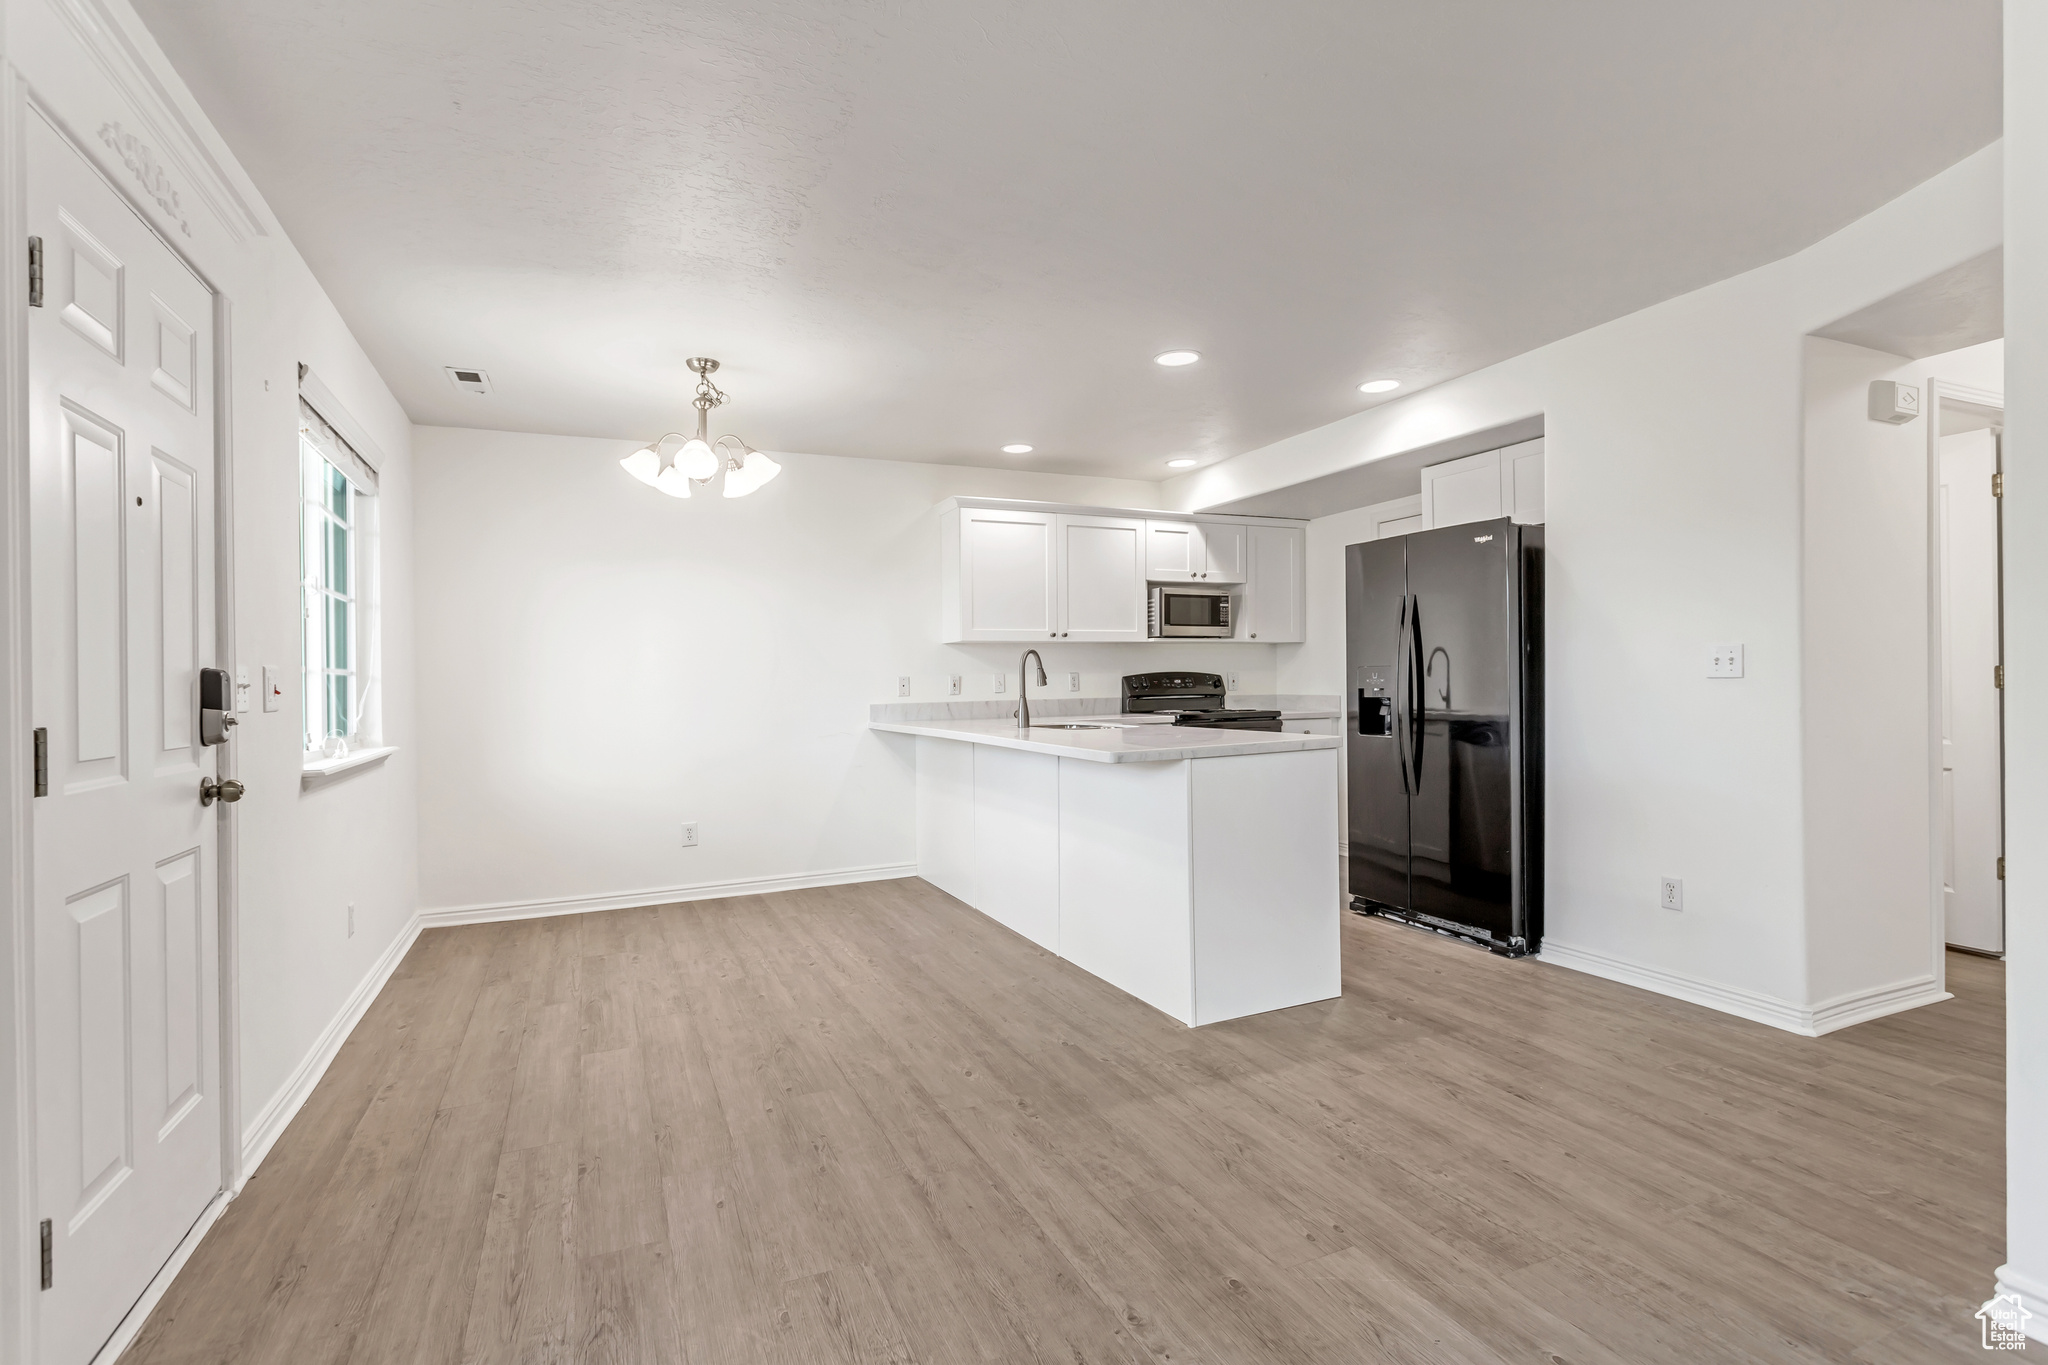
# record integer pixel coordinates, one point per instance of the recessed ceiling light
(1019, 449)
(1379, 386)
(1182, 463)
(1177, 357)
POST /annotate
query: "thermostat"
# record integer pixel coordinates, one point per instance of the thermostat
(1891, 401)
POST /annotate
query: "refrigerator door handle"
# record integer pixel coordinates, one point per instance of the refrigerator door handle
(1415, 694)
(1401, 698)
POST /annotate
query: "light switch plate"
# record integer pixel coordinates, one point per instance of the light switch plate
(999, 683)
(273, 689)
(956, 684)
(1724, 661)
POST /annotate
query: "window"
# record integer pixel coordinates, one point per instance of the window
(337, 520)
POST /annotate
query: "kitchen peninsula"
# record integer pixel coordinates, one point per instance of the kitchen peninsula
(1194, 868)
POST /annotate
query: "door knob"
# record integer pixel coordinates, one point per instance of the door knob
(210, 791)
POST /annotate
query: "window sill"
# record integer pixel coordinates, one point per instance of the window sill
(319, 772)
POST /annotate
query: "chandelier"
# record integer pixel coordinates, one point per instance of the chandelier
(698, 459)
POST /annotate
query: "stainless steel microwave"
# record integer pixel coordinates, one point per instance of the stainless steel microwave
(1202, 612)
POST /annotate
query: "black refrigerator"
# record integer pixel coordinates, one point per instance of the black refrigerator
(1444, 731)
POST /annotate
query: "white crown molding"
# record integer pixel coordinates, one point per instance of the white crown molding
(163, 150)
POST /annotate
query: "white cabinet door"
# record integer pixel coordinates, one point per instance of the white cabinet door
(1223, 558)
(1521, 481)
(1458, 491)
(1493, 483)
(1276, 585)
(1008, 575)
(1173, 551)
(1101, 578)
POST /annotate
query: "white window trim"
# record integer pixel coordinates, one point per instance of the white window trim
(367, 573)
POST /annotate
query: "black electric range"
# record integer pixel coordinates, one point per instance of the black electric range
(1191, 699)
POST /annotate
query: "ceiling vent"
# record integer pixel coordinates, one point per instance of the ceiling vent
(469, 381)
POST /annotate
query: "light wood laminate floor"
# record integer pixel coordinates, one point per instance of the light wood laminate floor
(865, 1124)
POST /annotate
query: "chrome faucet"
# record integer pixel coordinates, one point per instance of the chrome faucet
(1024, 688)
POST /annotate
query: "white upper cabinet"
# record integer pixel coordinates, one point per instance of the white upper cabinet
(1194, 552)
(1005, 587)
(1101, 578)
(1276, 586)
(1043, 571)
(1493, 483)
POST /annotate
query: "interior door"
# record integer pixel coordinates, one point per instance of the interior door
(1463, 804)
(121, 505)
(1102, 578)
(1971, 820)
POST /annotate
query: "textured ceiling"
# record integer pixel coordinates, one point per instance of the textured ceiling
(921, 231)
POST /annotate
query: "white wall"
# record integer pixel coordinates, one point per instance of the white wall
(2026, 654)
(1673, 453)
(300, 858)
(600, 663)
(1870, 866)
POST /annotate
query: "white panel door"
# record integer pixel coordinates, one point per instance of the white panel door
(1007, 575)
(1275, 605)
(1101, 578)
(1223, 553)
(1971, 817)
(121, 558)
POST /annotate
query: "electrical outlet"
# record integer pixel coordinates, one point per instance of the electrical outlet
(690, 834)
(351, 919)
(1673, 895)
(903, 687)
(1073, 682)
(1724, 661)
(956, 685)
(999, 683)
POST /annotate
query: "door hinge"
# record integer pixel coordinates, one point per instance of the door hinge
(2001, 869)
(35, 272)
(49, 1257)
(1998, 675)
(42, 760)
(1998, 485)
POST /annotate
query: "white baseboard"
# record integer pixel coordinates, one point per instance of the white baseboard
(1809, 1021)
(259, 1135)
(131, 1325)
(659, 895)
(2031, 1291)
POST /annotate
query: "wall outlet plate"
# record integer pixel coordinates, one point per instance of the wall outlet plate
(956, 685)
(689, 834)
(1073, 682)
(903, 687)
(1724, 661)
(1672, 894)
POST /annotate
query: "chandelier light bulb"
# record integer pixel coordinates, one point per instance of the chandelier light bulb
(750, 474)
(697, 460)
(673, 482)
(643, 464)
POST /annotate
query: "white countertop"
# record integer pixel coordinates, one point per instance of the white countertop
(1146, 739)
